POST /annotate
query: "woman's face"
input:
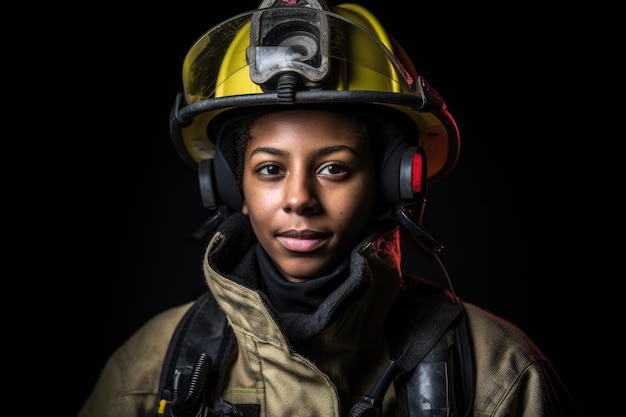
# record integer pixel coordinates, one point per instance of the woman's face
(309, 187)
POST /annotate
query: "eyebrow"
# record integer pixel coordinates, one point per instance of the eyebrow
(319, 152)
(272, 151)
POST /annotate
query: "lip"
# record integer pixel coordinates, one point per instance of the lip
(302, 240)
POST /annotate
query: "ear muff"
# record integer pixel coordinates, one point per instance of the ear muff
(227, 184)
(404, 176)
(208, 191)
(413, 176)
(218, 185)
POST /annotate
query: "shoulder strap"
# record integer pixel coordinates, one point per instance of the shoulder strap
(435, 362)
(199, 340)
(428, 340)
(419, 320)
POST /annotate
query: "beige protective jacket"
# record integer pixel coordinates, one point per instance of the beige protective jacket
(329, 372)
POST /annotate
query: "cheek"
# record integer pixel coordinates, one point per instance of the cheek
(250, 197)
(358, 201)
(259, 205)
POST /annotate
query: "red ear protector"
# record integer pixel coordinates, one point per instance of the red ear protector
(403, 176)
(409, 211)
(413, 174)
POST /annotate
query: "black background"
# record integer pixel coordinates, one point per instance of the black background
(507, 216)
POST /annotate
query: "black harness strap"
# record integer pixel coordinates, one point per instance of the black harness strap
(422, 332)
(203, 332)
(435, 362)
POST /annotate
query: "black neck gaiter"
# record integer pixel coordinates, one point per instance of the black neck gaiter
(298, 297)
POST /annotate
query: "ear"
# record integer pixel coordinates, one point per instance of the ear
(244, 208)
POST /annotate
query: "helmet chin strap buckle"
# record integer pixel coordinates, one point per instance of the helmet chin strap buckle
(408, 216)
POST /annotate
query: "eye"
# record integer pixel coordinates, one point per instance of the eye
(334, 169)
(268, 169)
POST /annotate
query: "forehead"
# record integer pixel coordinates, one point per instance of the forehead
(302, 126)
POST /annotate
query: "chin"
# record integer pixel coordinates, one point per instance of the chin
(302, 270)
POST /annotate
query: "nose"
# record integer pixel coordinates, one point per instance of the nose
(301, 194)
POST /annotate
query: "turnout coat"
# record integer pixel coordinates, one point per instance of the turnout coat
(346, 357)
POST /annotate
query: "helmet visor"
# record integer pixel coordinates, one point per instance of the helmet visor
(247, 54)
